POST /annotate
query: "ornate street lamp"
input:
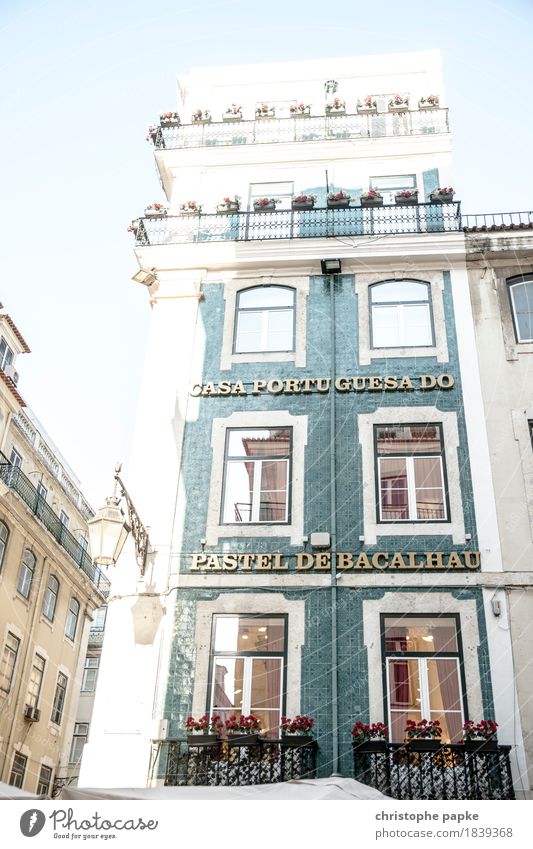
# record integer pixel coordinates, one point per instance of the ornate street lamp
(109, 529)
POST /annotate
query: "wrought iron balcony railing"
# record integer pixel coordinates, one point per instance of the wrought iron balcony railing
(497, 221)
(301, 129)
(451, 772)
(267, 762)
(96, 635)
(316, 223)
(16, 480)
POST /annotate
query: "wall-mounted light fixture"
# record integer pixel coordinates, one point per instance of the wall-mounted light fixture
(146, 276)
(331, 266)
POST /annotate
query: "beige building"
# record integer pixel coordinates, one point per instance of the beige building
(49, 588)
(500, 270)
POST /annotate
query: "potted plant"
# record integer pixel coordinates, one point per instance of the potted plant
(264, 110)
(367, 106)
(155, 210)
(205, 731)
(372, 198)
(152, 133)
(233, 113)
(229, 205)
(243, 730)
(338, 200)
(398, 103)
(169, 119)
(480, 737)
(409, 197)
(444, 195)
(300, 110)
(201, 116)
(297, 731)
(134, 226)
(423, 736)
(265, 204)
(429, 102)
(370, 738)
(303, 201)
(336, 107)
(190, 207)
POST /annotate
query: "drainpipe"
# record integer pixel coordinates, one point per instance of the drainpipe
(333, 530)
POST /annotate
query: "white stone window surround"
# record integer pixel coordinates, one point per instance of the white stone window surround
(450, 435)
(397, 603)
(257, 419)
(503, 278)
(245, 604)
(521, 426)
(436, 288)
(301, 291)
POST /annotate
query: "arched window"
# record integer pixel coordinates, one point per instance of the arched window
(521, 294)
(50, 598)
(27, 568)
(264, 320)
(400, 314)
(72, 618)
(4, 534)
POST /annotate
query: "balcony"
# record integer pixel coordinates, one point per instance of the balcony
(16, 480)
(302, 129)
(449, 773)
(96, 636)
(316, 223)
(267, 762)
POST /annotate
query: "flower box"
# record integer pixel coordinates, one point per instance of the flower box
(187, 213)
(265, 207)
(367, 110)
(424, 745)
(294, 741)
(169, 119)
(367, 747)
(407, 200)
(424, 104)
(232, 117)
(343, 203)
(300, 111)
(335, 110)
(150, 212)
(201, 117)
(441, 197)
(365, 202)
(241, 739)
(303, 204)
(228, 208)
(481, 745)
(265, 111)
(398, 105)
(202, 739)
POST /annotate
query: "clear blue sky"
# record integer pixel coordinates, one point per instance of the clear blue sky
(80, 82)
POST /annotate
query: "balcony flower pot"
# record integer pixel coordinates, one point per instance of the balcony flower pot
(399, 104)
(228, 208)
(201, 117)
(301, 110)
(481, 746)
(430, 102)
(265, 111)
(169, 119)
(423, 744)
(294, 741)
(407, 199)
(241, 739)
(202, 739)
(368, 106)
(302, 204)
(343, 203)
(368, 747)
(270, 206)
(336, 107)
(441, 196)
(371, 198)
(232, 118)
(233, 113)
(155, 211)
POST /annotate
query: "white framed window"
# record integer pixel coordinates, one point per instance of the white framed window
(42, 491)
(18, 770)
(79, 739)
(389, 185)
(45, 780)
(50, 598)
(6, 354)
(72, 619)
(15, 458)
(400, 314)
(423, 673)
(59, 699)
(4, 536)
(281, 191)
(264, 320)
(9, 662)
(36, 681)
(410, 473)
(100, 615)
(90, 674)
(64, 518)
(26, 572)
(248, 668)
(521, 295)
(257, 475)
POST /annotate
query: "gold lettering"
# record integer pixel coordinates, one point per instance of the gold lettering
(376, 558)
(259, 385)
(263, 562)
(275, 387)
(246, 561)
(238, 388)
(209, 388)
(292, 386)
(342, 384)
(198, 560)
(278, 565)
(433, 560)
(323, 384)
(307, 386)
(374, 384)
(229, 562)
(468, 555)
(224, 387)
(213, 563)
(323, 561)
(359, 384)
(362, 562)
(445, 381)
(405, 383)
(390, 383)
(304, 560)
(412, 561)
(196, 390)
(397, 562)
(344, 560)
(427, 381)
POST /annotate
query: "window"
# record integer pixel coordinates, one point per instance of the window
(59, 699)
(248, 668)
(4, 534)
(64, 519)
(9, 661)
(90, 674)
(42, 491)
(257, 475)
(15, 458)
(18, 770)
(50, 598)
(79, 739)
(521, 294)
(27, 568)
(281, 191)
(264, 320)
(410, 473)
(423, 673)
(72, 618)
(400, 314)
(45, 781)
(390, 185)
(98, 622)
(36, 681)
(6, 354)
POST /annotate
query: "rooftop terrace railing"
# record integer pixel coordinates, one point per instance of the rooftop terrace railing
(300, 129)
(15, 479)
(484, 222)
(296, 224)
